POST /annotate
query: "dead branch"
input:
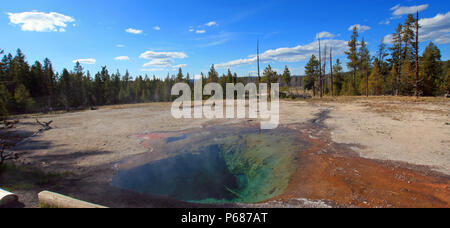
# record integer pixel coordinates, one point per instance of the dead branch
(4, 154)
(45, 125)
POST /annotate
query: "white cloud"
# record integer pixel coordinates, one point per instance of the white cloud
(134, 31)
(179, 66)
(40, 22)
(211, 23)
(402, 10)
(436, 29)
(293, 54)
(388, 39)
(157, 28)
(191, 30)
(325, 34)
(360, 28)
(200, 31)
(86, 61)
(159, 63)
(122, 58)
(154, 69)
(162, 55)
(161, 69)
(385, 22)
(120, 46)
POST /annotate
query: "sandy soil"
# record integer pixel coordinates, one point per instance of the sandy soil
(87, 144)
(417, 133)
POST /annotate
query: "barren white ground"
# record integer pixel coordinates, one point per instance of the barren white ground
(414, 133)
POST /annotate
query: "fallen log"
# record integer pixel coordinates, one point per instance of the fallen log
(45, 125)
(54, 200)
(7, 197)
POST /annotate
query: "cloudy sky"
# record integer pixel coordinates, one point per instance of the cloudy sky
(157, 37)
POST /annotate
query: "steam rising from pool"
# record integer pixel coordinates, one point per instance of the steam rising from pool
(220, 164)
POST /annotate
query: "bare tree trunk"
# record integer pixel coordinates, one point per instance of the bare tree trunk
(257, 54)
(324, 78)
(320, 70)
(367, 82)
(416, 90)
(331, 71)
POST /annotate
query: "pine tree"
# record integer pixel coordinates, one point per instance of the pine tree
(364, 58)
(338, 81)
(22, 98)
(444, 82)
(375, 79)
(49, 83)
(213, 76)
(431, 70)
(5, 99)
(396, 59)
(408, 56)
(352, 55)
(229, 77)
(286, 76)
(180, 75)
(235, 78)
(312, 72)
(65, 89)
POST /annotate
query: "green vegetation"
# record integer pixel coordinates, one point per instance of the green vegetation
(394, 73)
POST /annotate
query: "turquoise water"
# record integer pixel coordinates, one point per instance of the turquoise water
(223, 164)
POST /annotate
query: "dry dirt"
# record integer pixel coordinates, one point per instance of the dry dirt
(372, 136)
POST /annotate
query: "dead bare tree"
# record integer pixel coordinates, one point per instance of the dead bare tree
(4, 155)
(324, 78)
(320, 71)
(5, 143)
(417, 81)
(257, 56)
(331, 71)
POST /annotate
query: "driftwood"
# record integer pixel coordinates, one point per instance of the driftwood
(4, 155)
(45, 125)
(7, 197)
(55, 200)
(9, 124)
(6, 143)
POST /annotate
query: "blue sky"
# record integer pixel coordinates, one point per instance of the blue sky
(155, 37)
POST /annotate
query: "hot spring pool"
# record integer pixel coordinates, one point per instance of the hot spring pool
(220, 164)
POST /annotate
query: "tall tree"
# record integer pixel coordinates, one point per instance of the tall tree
(375, 80)
(352, 55)
(213, 76)
(396, 59)
(312, 69)
(286, 76)
(364, 58)
(431, 69)
(331, 71)
(180, 75)
(22, 99)
(338, 83)
(416, 49)
(320, 70)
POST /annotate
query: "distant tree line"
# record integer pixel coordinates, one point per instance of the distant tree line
(37, 88)
(395, 70)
